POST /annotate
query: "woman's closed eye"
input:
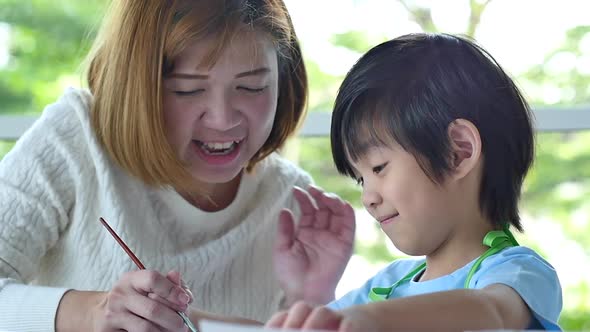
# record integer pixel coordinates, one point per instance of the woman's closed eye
(188, 92)
(252, 89)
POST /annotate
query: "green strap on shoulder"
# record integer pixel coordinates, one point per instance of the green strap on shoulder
(382, 293)
(496, 240)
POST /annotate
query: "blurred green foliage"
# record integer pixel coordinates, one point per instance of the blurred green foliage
(5, 146)
(47, 42)
(49, 39)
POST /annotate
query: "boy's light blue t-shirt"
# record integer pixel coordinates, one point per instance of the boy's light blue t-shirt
(520, 268)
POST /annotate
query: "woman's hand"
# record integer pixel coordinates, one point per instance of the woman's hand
(310, 258)
(143, 301)
(140, 301)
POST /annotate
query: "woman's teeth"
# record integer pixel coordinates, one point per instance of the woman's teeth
(215, 148)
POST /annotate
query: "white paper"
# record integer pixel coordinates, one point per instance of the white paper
(212, 326)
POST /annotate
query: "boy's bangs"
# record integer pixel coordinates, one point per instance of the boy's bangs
(363, 126)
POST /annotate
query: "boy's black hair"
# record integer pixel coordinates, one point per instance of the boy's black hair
(411, 88)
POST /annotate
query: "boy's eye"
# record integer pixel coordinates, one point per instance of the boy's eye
(378, 169)
(188, 93)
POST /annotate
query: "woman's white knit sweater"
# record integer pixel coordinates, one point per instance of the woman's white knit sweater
(57, 182)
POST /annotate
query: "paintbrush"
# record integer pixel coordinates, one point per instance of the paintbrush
(137, 262)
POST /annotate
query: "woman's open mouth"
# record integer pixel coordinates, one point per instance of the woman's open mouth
(218, 148)
(218, 153)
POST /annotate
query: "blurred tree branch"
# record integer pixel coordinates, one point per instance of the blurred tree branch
(476, 10)
(420, 15)
(423, 16)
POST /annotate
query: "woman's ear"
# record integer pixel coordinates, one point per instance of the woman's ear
(465, 147)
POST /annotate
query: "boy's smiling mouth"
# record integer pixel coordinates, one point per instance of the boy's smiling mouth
(387, 219)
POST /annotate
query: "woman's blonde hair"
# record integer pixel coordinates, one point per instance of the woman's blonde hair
(137, 46)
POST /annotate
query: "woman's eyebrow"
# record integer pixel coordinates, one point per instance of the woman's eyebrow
(188, 76)
(254, 72)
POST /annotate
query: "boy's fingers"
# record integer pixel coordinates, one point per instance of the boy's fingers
(322, 318)
(306, 202)
(337, 205)
(277, 319)
(331, 201)
(297, 316)
(321, 220)
(285, 230)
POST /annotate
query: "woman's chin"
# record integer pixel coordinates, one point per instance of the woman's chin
(213, 175)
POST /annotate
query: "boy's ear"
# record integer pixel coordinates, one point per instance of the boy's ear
(465, 147)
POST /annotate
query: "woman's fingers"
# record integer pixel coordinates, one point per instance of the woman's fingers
(155, 312)
(147, 282)
(188, 292)
(145, 301)
(135, 312)
(176, 278)
(167, 303)
(131, 322)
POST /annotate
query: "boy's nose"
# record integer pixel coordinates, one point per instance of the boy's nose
(371, 199)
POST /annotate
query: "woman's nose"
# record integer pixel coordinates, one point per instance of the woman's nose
(221, 115)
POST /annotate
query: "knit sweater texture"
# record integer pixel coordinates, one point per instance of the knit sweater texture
(56, 183)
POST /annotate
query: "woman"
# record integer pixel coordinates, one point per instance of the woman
(174, 145)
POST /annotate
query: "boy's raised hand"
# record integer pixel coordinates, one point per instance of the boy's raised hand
(310, 256)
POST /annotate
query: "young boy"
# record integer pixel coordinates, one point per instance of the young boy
(440, 139)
